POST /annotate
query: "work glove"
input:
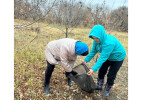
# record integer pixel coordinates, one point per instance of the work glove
(74, 72)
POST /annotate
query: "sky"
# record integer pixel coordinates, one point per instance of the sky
(113, 4)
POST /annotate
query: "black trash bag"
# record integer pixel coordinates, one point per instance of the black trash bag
(84, 81)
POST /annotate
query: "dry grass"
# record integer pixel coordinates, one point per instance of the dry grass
(30, 65)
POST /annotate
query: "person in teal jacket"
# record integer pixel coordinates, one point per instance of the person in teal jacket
(112, 54)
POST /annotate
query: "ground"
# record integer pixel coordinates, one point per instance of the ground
(30, 66)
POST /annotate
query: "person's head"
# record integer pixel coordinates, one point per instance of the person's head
(81, 48)
(94, 38)
(98, 33)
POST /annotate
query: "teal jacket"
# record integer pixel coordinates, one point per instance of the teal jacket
(110, 48)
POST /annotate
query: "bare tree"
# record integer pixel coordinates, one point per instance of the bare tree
(69, 13)
(120, 19)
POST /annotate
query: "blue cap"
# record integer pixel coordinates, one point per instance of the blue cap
(80, 48)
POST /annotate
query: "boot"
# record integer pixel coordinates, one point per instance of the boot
(46, 89)
(106, 91)
(48, 74)
(100, 83)
(69, 82)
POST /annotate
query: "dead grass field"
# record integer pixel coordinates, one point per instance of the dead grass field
(30, 65)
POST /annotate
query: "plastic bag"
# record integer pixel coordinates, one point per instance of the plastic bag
(84, 81)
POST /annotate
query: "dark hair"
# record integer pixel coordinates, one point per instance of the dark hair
(91, 37)
(85, 53)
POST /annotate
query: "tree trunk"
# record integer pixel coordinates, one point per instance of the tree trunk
(66, 32)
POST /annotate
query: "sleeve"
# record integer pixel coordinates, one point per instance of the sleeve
(50, 58)
(71, 63)
(64, 59)
(92, 53)
(106, 51)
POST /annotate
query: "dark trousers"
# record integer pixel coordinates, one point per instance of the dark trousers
(48, 73)
(113, 66)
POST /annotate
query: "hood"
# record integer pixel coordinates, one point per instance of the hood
(98, 31)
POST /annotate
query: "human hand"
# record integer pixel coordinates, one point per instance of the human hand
(90, 72)
(84, 62)
(74, 72)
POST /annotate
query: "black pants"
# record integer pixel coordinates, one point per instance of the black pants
(113, 66)
(48, 73)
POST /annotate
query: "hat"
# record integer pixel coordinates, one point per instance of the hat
(80, 48)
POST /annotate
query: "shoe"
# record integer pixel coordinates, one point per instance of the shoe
(106, 91)
(100, 83)
(70, 82)
(46, 89)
